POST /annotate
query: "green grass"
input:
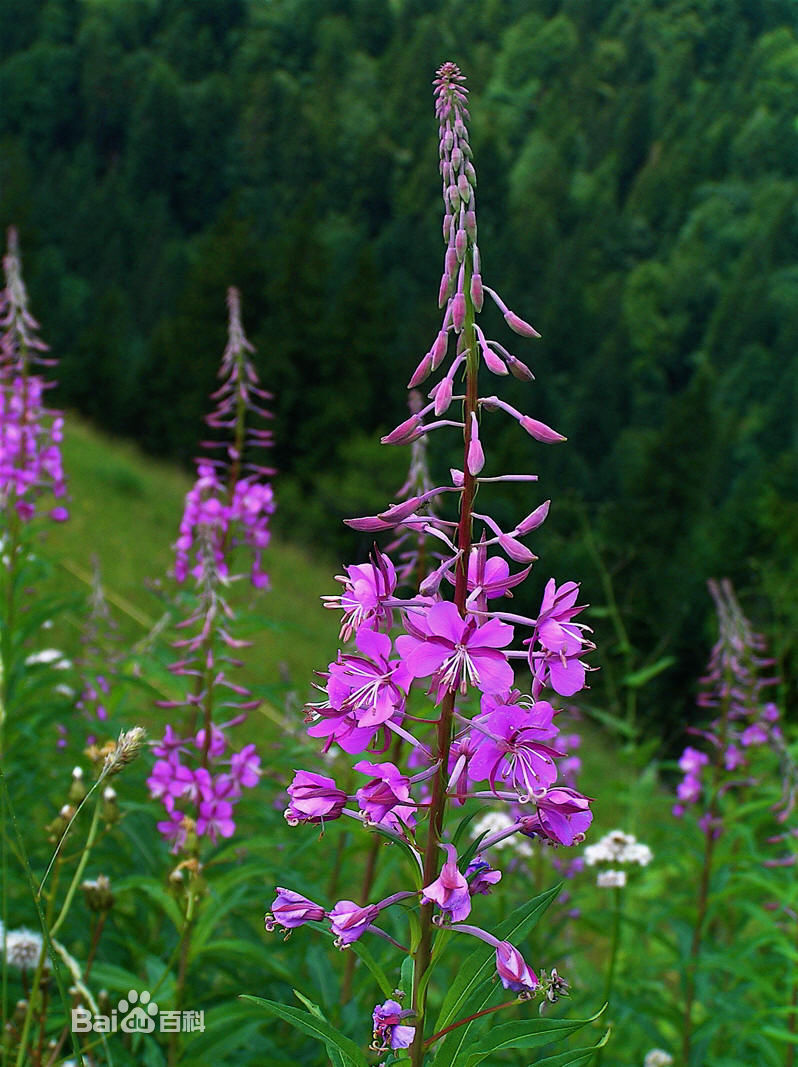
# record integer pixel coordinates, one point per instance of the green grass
(125, 509)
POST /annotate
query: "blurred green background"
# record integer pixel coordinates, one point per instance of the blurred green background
(638, 166)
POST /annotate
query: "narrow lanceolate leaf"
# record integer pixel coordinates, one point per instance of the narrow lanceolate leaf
(522, 1033)
(637, 679)
(315, 1027)
(479, 966)
(576, 1057)
(336, 1057)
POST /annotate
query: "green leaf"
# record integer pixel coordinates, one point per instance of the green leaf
(523, 1033)
(156, 892)
(606, 718)
(314, 1027)
(379, 974)
(406, 978)
(336, 1056)
(637, 679)
(314, 1009)
(227, 1027)
(781, 1035)
(479, 966)
(576, 1057)
(464, 823)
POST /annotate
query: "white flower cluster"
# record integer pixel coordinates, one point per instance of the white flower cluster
(611, 879)
(658, 1058)
(493, 822)
(618, 847)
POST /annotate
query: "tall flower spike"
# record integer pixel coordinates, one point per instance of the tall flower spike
(30, 432)
(230, 497)
(460, 648)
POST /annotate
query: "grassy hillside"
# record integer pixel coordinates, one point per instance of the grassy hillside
(126, 508)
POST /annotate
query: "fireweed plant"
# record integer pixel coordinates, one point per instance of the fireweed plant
(31, 678)
(481, 736)
(197, 776)
(742, 748)
(30, 467)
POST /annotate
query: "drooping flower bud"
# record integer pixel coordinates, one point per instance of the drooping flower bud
(540, 431)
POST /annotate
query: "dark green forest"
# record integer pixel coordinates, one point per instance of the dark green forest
(640, 166)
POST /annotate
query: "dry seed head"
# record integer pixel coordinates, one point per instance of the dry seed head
(125, 751)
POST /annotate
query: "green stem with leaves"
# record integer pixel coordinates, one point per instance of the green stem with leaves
(617, 915)
(184, 950)
(710, 831)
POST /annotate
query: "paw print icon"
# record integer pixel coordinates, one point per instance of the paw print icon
(138, 1013)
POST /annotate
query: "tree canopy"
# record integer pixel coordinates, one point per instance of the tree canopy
(640, 162)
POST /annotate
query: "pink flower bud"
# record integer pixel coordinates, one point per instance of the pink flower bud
(404, 432)
(533, 520)
(464, 189)
(513, 970)
(443, 395)
(398, 512)
(453, 196)
(517, 325)
(478, 298)
(494, 364)
(515, 550)
(445, 288)
(457, 157)
(368, 524)
(438, 350)
(540, 431)
(452, 261)
(421, 372)
(476, 455)
(470, 174)
(519, 370)
(458, 311)
(447, 227)
(460, 243)
(458, 478)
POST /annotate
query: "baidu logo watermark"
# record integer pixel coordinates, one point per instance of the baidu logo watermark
(137, 1014)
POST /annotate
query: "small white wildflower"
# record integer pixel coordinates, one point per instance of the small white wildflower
(637, 853)
(611, 879)
(658, 1058)
(109, 793)
(495, 821)
(491, 823)
(598, 853)
(45, 656)
(618, 847)
(23, 948)
(64, 690)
